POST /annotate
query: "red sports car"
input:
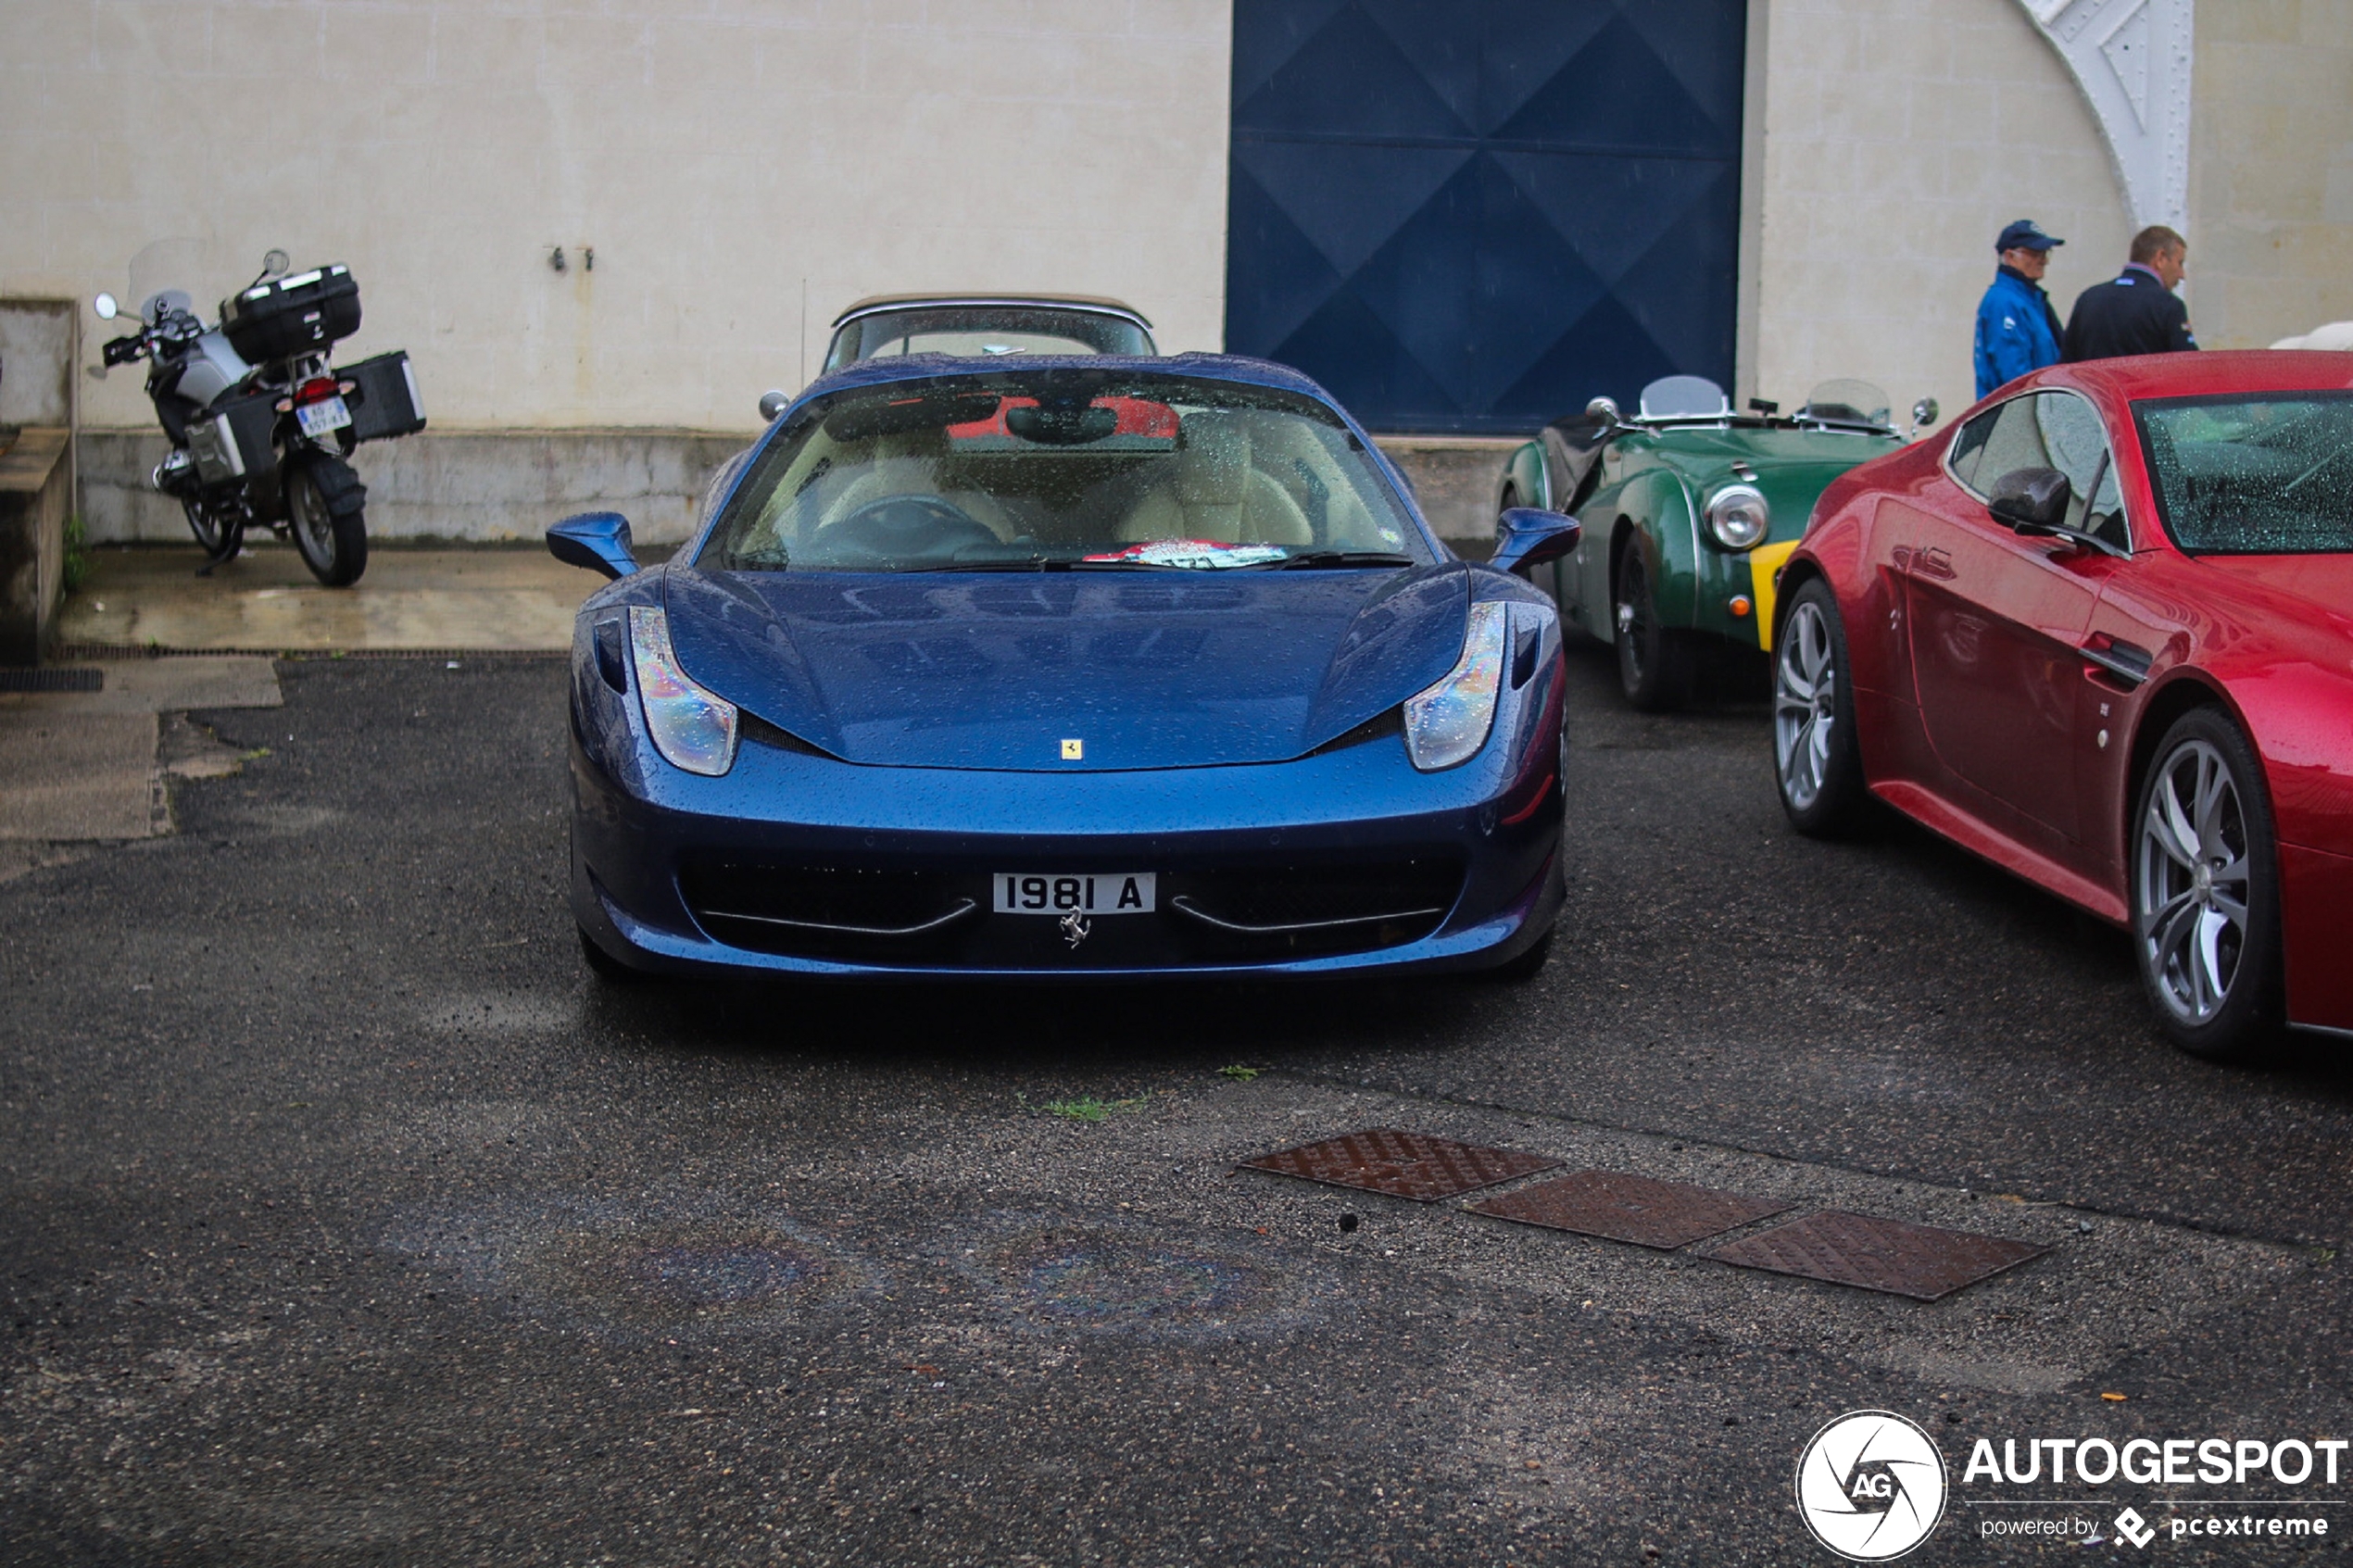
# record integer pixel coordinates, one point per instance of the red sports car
(2101, 635)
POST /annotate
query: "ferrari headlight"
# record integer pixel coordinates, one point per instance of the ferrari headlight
(1447, 722)
(693, 728)
(1738, 516)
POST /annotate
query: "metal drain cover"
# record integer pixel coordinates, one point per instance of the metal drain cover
(1621, 1207)
(1402, 1164)
(50, 678)
(1921, 1261)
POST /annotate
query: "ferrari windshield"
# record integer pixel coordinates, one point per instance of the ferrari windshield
(2267, 475)
(1063, 469)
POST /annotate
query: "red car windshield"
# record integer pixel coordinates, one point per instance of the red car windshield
(2265, 475)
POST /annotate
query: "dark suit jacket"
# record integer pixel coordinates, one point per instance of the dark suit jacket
(2130, 314)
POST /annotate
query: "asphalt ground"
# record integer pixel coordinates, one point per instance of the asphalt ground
(347, 1219)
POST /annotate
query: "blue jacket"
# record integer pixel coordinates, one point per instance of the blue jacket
(2017, 330)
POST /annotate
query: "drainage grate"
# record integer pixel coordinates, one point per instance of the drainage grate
(1402, 1164)
(51, 679)
(1621, 1207)
(1921, 1261)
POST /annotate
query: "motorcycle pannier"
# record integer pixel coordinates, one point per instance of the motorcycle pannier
(233, 440)
(299, 314)
(385, 401)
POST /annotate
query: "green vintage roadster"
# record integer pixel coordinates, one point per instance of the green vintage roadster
(1689, 509)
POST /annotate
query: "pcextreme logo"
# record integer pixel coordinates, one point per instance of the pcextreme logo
(1870, 1485)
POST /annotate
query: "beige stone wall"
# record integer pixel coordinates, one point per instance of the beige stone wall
(1899, 136)
(2271, 226)
(742, 170)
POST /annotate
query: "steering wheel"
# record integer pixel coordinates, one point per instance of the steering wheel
(909, 528)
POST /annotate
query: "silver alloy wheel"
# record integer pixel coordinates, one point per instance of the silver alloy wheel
(1805, 705)
(2190, 882)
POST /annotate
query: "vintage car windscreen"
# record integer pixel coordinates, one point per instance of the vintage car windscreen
(1846, 401)
(2268, 475)
(977, 330)
(1068, 469)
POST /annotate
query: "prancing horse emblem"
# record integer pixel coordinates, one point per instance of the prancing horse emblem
(1075, 928)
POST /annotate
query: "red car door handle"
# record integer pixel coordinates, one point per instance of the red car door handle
(1933, 562)
(2126, 661)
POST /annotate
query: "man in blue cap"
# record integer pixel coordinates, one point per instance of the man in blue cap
(2017, 329)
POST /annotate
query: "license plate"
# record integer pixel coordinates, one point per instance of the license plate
(320, 419)
(1085, 893)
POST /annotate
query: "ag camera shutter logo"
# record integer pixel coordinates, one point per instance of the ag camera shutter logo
(1870, 1485)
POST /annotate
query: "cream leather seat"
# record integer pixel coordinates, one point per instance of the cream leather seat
(909, 465)
(1208, 489)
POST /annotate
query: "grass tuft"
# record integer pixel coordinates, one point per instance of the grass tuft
(1089, 1109)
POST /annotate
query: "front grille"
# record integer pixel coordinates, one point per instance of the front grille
(849, 914)
(1272, 912)
(942, 919)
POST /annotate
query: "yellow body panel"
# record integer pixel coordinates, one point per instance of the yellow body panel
(1764, 564)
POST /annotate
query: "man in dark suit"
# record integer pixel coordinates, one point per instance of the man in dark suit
(2137, 312)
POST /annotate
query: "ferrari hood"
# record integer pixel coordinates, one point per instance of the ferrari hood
(998, 671)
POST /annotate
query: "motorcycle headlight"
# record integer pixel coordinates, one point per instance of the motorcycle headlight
(693, 728)
(1738, 516)
(1447, 721)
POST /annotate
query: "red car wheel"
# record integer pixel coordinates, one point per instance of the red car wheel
(2206, 908)
(1816, 762)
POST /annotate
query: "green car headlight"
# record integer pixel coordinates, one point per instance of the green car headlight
(1739, 516)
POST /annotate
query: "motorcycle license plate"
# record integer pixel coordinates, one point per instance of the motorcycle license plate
(322, 417)
(1085, 893)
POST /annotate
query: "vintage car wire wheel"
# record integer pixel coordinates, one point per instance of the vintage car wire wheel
(1816, 762)
(1655, 664)
(2205, 902)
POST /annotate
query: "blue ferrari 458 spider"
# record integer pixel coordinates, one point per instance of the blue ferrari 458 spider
(1093, 668)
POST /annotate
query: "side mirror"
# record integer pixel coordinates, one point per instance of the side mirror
(1529, 537)
(1604, 410)
(598, 541)
(105, 306)
(2031, 500)
(1924, 412)
(771, 404)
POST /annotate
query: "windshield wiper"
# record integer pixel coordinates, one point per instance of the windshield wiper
(1023, 563)
(1320, 560)
(1133, 565)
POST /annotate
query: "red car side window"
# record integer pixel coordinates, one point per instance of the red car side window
(1969, 445)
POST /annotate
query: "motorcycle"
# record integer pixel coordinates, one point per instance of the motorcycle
(262, 428)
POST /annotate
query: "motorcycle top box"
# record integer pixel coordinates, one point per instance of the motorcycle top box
(283, 317)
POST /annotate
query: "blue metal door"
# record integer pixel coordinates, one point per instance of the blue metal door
(1473, 215)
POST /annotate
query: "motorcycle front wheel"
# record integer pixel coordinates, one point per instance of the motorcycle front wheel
(326, 514)
(222, 532)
